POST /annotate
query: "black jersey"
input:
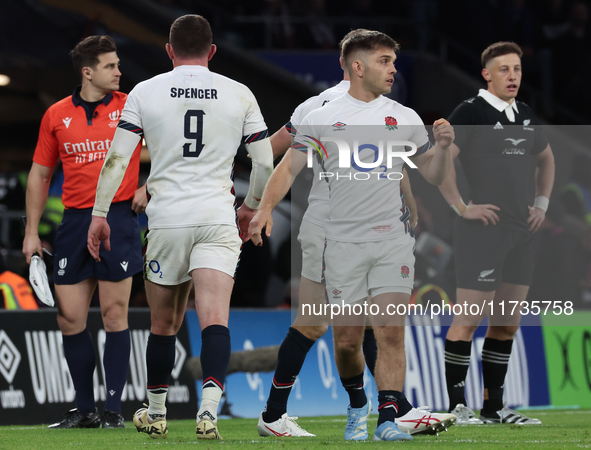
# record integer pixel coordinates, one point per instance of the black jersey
(496, 156)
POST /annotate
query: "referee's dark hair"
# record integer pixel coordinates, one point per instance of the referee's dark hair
(190, 36)
(367, 41)
(500, 49)
(87, 51)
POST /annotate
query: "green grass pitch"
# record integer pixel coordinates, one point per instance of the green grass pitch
(560, 429)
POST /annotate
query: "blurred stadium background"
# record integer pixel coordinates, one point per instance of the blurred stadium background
(286, 51)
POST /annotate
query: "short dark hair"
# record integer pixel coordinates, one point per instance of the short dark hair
(368, 41)
(190, 36)
(500, 49)
(87, 51)
(348, 36)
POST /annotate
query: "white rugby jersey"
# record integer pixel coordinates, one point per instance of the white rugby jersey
(317, 211)
(365, 204)
(193, 121)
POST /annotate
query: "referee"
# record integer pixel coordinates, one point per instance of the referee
(497, 139)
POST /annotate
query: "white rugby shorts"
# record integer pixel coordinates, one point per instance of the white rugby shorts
(311, 238)
(353, 271)
(172, 253)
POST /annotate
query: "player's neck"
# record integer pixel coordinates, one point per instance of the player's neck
(90, 93)
(190, 62)
(361, 94)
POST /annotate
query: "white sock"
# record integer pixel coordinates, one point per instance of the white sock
(210, 400)
(157, 408)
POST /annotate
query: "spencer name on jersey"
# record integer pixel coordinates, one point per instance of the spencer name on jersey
(208, 94)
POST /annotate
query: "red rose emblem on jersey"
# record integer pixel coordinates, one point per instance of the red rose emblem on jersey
(391, 123)
(404, 271)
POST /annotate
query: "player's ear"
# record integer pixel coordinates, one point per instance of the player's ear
(486, 74)
(358, 67)
(212, 51)
(170, 51)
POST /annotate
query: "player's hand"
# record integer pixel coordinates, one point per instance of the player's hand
(262, 219)
(245, 215)
(140, 200)
(485, 213)
(98, 231)
(536, 218)
(32, 245)
(443, 133)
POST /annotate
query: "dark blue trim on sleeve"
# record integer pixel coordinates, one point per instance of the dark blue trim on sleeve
(130, 127)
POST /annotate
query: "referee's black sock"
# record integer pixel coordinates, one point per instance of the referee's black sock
(354, 387)
(116, 364)
(79, 353)
(457, 362)
(495, 360)
(290, 360)
(370, 350)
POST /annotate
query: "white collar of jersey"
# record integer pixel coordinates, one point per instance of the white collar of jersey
(191, 67)
(361, 103)
(496, 102)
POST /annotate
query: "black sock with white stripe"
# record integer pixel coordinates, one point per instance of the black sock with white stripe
(290, 360)
(392, 404)
(457, 361)
(354, 387)
(495, 360)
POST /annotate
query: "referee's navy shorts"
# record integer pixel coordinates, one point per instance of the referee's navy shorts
(72, 261)
(488, 256)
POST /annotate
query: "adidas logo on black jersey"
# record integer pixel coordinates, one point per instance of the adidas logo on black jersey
(498, 126)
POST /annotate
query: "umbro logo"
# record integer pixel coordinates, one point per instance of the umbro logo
(336, 292)
(124, 265)
(338, 126)
(498, 126)
(67, 121)
(486, 273)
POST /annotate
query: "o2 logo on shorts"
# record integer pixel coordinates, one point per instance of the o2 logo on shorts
(154, 267)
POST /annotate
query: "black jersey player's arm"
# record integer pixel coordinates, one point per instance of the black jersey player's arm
(449, 190)
(544, 184)
(277, 187)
